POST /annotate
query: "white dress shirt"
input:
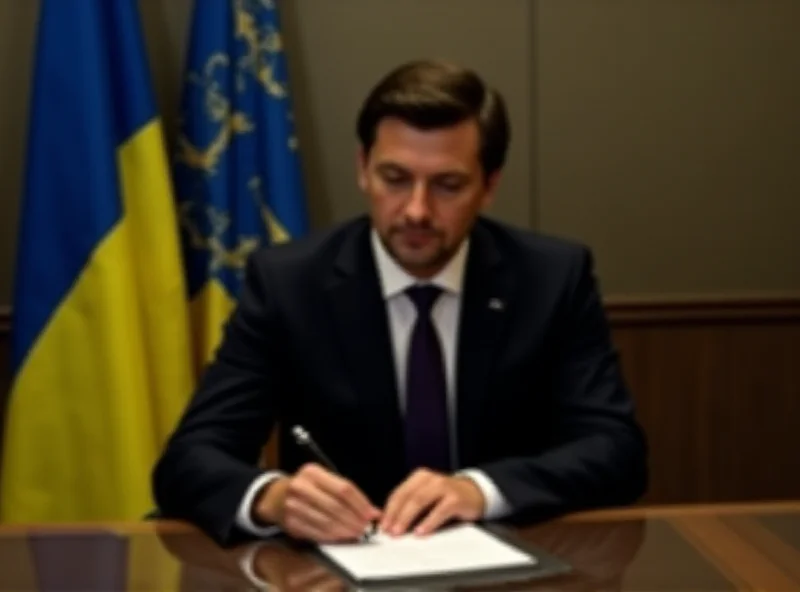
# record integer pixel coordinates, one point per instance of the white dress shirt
(394, 281)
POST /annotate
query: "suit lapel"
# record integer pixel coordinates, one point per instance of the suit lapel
(362, 331)
(361, 322)
(485, 311)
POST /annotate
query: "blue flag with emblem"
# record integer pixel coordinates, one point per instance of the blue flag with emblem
(237, 169)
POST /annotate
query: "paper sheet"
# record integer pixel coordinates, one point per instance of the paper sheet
(460, 548)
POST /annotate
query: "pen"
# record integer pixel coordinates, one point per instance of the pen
(304, 439)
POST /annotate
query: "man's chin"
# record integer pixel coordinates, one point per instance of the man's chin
(417, 263)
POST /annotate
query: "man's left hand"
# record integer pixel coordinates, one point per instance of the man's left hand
(442, 497)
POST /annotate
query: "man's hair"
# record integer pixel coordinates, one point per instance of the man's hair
(431, 94)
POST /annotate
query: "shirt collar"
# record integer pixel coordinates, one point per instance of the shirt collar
(395, 279)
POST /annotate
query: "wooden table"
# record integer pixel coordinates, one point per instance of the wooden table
(697, 548)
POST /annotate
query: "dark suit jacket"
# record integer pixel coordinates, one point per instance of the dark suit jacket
(542, 407)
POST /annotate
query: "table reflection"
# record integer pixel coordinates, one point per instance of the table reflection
(276, 562)
(696, 548)
(63, 561)
(598, 552)
(177, 559)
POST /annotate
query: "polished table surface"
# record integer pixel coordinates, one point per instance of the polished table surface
(698, 548)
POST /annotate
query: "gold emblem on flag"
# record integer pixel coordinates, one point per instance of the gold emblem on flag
(207, 227)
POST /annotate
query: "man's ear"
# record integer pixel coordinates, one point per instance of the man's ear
(361, 168)
(490, 190)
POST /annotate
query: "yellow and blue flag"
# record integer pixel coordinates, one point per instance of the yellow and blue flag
(237, 169)
(102, 363)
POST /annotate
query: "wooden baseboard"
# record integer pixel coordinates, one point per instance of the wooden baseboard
(717, 387)
(702, 309)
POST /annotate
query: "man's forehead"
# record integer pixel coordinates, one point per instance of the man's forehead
(393, 129)
(437, 169)
(454, 148)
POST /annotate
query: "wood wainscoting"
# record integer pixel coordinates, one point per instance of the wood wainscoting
(717, 386)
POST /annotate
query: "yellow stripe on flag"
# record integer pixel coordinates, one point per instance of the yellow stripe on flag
(109, 375)
(210, 310)
(150, 210)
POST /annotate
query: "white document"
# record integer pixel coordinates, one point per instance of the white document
(458, 549)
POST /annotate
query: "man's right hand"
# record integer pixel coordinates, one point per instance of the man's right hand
(316, 505)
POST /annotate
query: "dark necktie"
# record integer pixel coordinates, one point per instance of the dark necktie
(426, 419)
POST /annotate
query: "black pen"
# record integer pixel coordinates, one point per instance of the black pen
(304, 439)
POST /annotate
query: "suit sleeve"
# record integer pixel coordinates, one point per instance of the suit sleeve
(211, 459)
(597, 453)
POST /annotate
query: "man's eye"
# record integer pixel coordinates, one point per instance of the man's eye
(450, 187)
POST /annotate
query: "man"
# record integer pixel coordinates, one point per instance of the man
(451, 367)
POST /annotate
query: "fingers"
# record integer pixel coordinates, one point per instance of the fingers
(323, 507)
(411, 499)
(301, 529)
(445, 509)
(345, 491)
(397, 500)
(326, 510)
(308, 517)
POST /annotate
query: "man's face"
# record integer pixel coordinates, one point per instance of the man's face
(425, 190)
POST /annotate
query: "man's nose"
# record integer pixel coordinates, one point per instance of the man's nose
(417, 207)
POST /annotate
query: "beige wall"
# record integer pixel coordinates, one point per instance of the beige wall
(17, 26)
(343, 47)
(668, 137)
(664, 134)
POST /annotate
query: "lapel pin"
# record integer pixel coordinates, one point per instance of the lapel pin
(496, 304)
